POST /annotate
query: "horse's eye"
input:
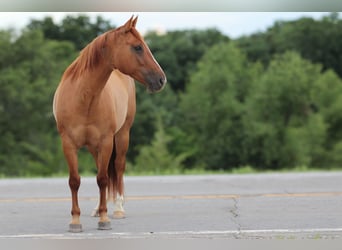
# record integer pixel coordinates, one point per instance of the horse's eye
(138, 48)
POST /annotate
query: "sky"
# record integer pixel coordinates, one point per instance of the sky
(232, 24)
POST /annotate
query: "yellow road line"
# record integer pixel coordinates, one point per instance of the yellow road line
(181, 197)
(322, 194)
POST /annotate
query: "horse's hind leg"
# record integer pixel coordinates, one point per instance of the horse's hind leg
(70, 153)
(95, 212)
(121, 146)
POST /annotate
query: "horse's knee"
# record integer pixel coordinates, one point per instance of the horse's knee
(102, 181)
(74, 182)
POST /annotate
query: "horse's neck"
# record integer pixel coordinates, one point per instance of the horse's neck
(91, 70)
(94, 80)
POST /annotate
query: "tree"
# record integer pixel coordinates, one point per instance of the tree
(221, 108)
(314, 40)
(287, 124)
(329, 95)
(178, 52)
(150, 108)
(27, 83)
(214, 107)
(79, 30)
(155, 157)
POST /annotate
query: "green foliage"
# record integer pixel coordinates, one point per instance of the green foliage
(315, 40)
(151, 107)
(156, 157)
(268, 101)
(27, 83)
(80, 30)
(178, 51)
(213, 107)
(43, 157)
(238, 115)
(283, 104)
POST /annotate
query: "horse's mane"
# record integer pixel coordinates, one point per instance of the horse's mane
(91, 55)
(88, 58)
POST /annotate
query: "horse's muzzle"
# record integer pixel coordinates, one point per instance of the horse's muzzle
(155, 83)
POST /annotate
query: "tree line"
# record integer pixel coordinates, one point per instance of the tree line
(270, 100)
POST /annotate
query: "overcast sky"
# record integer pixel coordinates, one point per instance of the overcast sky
(233, 24)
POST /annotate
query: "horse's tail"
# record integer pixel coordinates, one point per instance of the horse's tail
(112, 175)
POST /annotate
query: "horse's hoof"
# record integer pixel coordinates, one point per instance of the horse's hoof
(104, 225)
(119, 215)
(75, 228)
(95, 213)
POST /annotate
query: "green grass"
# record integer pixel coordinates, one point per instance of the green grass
(195, 171)
(240, 170)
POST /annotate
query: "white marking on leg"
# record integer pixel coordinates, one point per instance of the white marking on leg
(119, 212)
(95, 212)
(118, 203)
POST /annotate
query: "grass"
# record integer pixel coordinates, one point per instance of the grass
(240, 170)
(195, 171)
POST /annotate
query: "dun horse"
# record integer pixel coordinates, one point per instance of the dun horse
(94, 106)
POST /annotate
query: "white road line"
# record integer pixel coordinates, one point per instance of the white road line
(184, 234)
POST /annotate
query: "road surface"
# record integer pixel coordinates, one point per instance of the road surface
(295, 205)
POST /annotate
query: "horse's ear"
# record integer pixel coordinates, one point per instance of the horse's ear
(134, 22)
(129, 24)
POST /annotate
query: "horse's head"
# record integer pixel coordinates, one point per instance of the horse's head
(132, 56)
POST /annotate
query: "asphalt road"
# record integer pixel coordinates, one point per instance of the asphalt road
(213, 206)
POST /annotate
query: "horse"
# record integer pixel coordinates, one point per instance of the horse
(94, 107)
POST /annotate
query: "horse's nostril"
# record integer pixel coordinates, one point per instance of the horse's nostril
(162, 81)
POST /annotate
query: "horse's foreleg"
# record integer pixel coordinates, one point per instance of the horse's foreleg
(70, 153)
(121, 145)
(95, 212)
(105, 151)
